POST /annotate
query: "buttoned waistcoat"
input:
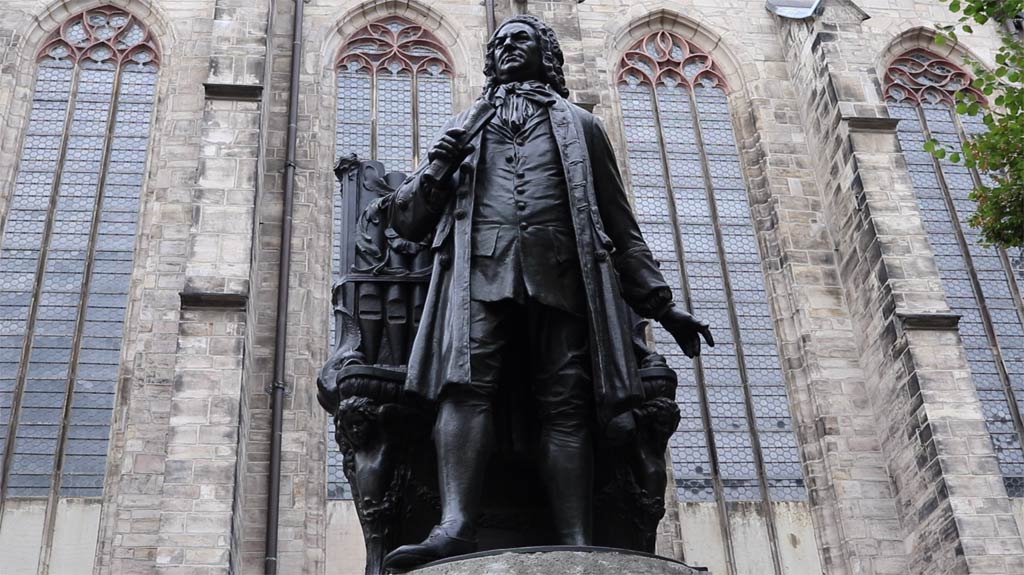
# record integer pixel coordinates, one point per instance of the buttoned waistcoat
(616, 266)
(523, 244)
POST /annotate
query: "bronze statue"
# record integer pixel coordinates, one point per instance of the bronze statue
(489, 383)
(538, 263)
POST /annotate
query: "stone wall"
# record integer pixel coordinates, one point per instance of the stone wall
(929, 518)
(900, 472)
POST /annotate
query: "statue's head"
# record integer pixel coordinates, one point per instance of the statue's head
(525, 48)
(358, 418)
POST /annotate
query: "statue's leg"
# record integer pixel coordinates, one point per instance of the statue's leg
(464, 438)
(464, 431)
(564, 395)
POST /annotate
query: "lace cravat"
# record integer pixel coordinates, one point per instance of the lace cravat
(517, 102)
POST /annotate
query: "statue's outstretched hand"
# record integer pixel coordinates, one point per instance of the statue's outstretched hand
(687, 330)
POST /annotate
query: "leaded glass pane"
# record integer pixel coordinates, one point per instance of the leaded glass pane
(987, 262)
(688, 446)
(956, 268)
(353, 136)
(56, 323)
(737, 466)
(394, 121)
(22, 242)
(355, 99)
(434, 103)
(769, 402)
(746, 403)
(99, 356)
(67, 235)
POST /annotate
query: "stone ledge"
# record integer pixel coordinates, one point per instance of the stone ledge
(871, 124)
(933, 321)
(213, 300)
(561, 560)
(238, 92)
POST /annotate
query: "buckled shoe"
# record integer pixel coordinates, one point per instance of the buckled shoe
(440, 544)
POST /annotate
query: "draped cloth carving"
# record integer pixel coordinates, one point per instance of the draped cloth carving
(394, 83)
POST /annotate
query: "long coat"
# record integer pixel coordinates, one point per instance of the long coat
(617, 266)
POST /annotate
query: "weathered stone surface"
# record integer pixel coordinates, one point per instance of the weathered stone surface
(839, 237)
(545, 561)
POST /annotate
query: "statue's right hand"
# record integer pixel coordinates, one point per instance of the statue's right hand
(448, 149)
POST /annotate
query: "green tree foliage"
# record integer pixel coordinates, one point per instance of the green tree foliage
(999, 152)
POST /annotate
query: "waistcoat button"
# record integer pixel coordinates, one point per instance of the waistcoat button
(460, 214)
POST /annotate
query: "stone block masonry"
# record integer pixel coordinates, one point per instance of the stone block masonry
(900, 470)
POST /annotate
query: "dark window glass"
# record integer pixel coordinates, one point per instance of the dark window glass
(979, 281)
(736, 441)
(66, 252)
(394, 95)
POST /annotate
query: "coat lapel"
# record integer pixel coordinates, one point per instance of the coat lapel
(443, 339)
(616, 381)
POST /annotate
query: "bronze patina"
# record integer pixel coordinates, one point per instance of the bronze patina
(548, 416)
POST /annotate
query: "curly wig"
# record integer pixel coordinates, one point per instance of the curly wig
(550, 53)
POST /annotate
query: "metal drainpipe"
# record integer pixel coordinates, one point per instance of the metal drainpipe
(280, 339)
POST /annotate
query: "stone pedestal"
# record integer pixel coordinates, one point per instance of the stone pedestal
(560, 560)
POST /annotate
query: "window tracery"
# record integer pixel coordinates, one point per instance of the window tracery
(664, 58)
(67, 248)
(921, 77)
(736, 441)
(921, 90)
(394, 95)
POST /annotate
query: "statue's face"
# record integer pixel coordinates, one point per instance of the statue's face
(517, 53)
(358, 430)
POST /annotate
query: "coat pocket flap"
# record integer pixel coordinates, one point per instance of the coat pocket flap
(484, 240)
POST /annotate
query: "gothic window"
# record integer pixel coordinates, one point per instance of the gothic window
(920, 88)
(394, 94)
(66, 252)
(736, 441)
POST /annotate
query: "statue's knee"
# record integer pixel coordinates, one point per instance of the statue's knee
(566, 419)
(474, 396)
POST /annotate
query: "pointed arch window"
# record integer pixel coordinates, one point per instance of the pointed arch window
(921, 89)
(394, 92)
(394, 95)
(66, 252)
(736, 441)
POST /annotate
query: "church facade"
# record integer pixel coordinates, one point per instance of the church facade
(860, 413)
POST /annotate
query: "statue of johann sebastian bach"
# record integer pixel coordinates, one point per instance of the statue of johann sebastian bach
(537, 254)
